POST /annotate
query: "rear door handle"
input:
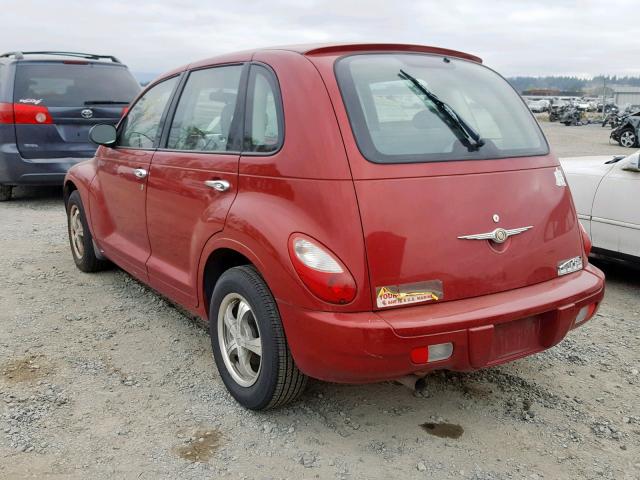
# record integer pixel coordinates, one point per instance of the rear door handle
(219, 185)
(140, 173)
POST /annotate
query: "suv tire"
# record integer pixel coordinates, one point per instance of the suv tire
(244, 313)
(5, 193)
(80, 238)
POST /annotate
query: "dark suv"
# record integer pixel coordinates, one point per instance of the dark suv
(48, 103)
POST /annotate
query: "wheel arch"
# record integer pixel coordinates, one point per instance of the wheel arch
(218, 256)
(68, 188)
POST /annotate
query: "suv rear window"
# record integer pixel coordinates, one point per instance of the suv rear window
(73, 85)
(397, 121)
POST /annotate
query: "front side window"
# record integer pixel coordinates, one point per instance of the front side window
(263, 120)
(420, 108)
(206, 110)
(142, 125)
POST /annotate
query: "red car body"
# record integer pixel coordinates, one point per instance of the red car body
(388, 224)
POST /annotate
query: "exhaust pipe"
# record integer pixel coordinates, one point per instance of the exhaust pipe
(412, 382)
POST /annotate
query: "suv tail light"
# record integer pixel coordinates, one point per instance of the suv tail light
(6, 113)
(586, 241)
(31, 114)
(24, 114)
(320, 270)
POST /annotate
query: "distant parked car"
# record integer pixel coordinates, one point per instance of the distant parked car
(354, 213)
(605, 191)
(538, 106)
(48, 103)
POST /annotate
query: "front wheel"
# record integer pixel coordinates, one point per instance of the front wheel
(628, 138)
(249, 344)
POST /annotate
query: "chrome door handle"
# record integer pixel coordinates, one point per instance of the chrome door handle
(219, 185)
(140, 172)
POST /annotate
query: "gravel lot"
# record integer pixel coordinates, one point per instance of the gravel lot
(100, 377)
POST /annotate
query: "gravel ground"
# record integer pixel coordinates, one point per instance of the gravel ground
(584, 140)
(100, 377)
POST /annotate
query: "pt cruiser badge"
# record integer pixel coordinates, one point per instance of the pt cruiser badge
(499, 235)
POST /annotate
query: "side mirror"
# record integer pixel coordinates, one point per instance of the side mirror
(633, 165)
(103, 135)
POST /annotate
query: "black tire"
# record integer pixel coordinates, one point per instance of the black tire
(628, 138)
(278, 379)
(5, 193)
(86, 259)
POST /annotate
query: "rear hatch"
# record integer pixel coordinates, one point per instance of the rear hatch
(427, 188)
(74, 96)
(412, 228)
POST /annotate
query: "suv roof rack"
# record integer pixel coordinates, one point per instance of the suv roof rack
(90, 56)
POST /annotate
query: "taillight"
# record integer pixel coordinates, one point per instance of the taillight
(31, 114)
(6, 113)
(124, 111)
(320, 270)
(586, 241)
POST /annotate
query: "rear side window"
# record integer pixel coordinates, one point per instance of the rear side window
(264, 126)
(141, 127)
(73, 85)
(402, 108)
(206, 110)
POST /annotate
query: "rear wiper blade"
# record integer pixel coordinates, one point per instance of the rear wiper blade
(465, 133)
(106, 102)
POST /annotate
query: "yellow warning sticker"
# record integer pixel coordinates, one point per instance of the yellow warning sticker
(394, 295)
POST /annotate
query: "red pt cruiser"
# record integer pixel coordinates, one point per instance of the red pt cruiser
(352, 213)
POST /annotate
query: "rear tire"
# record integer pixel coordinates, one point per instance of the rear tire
(80, 238)
(243, 313)
(5, 193)
(628, 138)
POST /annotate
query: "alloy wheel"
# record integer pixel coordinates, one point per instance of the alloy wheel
(628, 139)
(76, 230)
(239, 337)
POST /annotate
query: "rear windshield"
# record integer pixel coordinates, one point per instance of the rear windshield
(422, 108)
(72, 85)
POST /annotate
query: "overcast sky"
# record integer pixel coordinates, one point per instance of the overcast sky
(517, 37)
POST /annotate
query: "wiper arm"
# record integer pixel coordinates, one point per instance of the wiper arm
(465, 133)
(106, 102)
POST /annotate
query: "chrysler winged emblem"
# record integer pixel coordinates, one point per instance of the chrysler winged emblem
(499, 235)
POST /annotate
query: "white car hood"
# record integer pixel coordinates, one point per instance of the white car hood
(593, 165)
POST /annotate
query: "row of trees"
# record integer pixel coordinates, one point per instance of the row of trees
(571, 84)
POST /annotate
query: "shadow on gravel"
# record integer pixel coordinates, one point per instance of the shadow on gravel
(619, 271)
(26, 194)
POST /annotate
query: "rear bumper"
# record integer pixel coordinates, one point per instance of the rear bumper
(15, 170)
(489, 330)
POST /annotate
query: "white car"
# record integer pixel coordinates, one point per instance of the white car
(605, 192)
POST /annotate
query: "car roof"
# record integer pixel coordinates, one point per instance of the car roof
(317, 49)
(342, 48)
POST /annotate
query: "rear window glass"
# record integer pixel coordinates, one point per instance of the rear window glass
(263, 122)
(410, 107)
(72, 85)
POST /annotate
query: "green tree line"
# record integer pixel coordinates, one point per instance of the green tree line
(569, 83)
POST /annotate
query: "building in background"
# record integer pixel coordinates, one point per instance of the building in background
(623, 96)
